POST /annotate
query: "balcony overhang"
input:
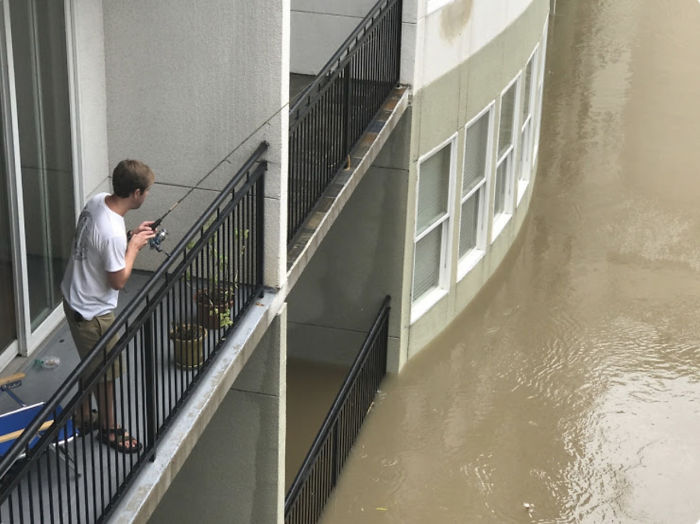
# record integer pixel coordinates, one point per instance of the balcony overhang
(341, 188)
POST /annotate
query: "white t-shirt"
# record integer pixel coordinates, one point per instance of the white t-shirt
(99, 246)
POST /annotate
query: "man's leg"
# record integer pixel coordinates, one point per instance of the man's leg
(111, 431)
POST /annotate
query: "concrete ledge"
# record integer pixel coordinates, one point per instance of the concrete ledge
(153, 480)
(344, 183)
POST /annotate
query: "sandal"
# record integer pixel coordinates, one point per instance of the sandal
(119, 439)
(87, 425)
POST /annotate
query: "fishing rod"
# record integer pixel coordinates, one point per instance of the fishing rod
(161, 234)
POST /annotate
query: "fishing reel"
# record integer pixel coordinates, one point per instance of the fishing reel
(157, 240)
(161, 235)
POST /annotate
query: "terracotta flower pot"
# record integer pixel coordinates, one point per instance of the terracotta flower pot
(211, 308)
(188, 340)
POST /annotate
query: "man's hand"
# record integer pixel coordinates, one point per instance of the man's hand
(140, 237)
(143, 226)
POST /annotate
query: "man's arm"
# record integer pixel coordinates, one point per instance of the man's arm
(117, 279)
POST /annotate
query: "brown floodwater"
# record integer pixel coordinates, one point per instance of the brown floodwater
(572, 382)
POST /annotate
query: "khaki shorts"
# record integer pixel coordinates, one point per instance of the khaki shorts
(86, 334)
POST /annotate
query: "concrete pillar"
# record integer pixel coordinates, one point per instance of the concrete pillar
(235, 473)
(361, 259)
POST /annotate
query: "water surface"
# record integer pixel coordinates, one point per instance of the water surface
(572, 382)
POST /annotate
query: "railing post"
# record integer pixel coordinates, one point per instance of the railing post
(336, 452)
(346, 109)
(150, 386)
(399, 16)
(260, 227)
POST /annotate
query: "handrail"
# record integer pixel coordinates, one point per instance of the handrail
(341, 56)
(330, 422)
(230, 225)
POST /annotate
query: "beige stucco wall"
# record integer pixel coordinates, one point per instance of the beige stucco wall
(442, 107)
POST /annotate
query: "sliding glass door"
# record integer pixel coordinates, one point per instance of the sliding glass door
(37, 205)
(43, 117)
(8, 317)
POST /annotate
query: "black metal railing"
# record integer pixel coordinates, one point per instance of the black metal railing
(321, 468)
(332, 113)
(166, 337)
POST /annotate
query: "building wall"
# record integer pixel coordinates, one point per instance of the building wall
(336, 299)
(235, 472)
(192, 89)
(90, 87)
(472, 50)
(451, 34)
(466, 53)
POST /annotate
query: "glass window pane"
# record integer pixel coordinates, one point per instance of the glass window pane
(8, 326)
(505, 133)
(500, 190)
(426, 274)
(433, 187)
(469, 223)
(476, 153)
(525, 139)
(528, 90)
(43, 111)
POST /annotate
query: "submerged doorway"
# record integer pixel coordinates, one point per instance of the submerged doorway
(38, 205)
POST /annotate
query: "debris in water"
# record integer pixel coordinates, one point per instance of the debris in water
(381, 508)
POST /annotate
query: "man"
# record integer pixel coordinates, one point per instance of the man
(101, 262)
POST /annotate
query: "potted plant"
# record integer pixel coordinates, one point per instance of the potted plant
(214, 305)
(215, 301)
(188, 340)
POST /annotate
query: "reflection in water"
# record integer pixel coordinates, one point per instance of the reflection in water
(573, 380)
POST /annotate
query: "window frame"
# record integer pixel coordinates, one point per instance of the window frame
(509, 155)
(540, 90)
(468, 260)
(422, 304)
(526, 133)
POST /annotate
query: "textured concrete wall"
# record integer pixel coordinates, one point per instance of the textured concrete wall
(448, 36)
(192, 89)
(319, 27)
(334, 303)
(86, 23)
(235, 472)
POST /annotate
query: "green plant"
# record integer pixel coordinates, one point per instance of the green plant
(215, 301)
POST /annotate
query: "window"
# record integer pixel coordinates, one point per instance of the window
(477, 155)
(503, 187)
(540, 84)
(526, 127)
(430, 267)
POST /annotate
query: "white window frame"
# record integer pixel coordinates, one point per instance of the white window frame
(540, 90)
(526, 133)
(467, 261)
(426, 301)
(510, 155)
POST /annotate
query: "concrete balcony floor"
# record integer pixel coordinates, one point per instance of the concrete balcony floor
(39, 383)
